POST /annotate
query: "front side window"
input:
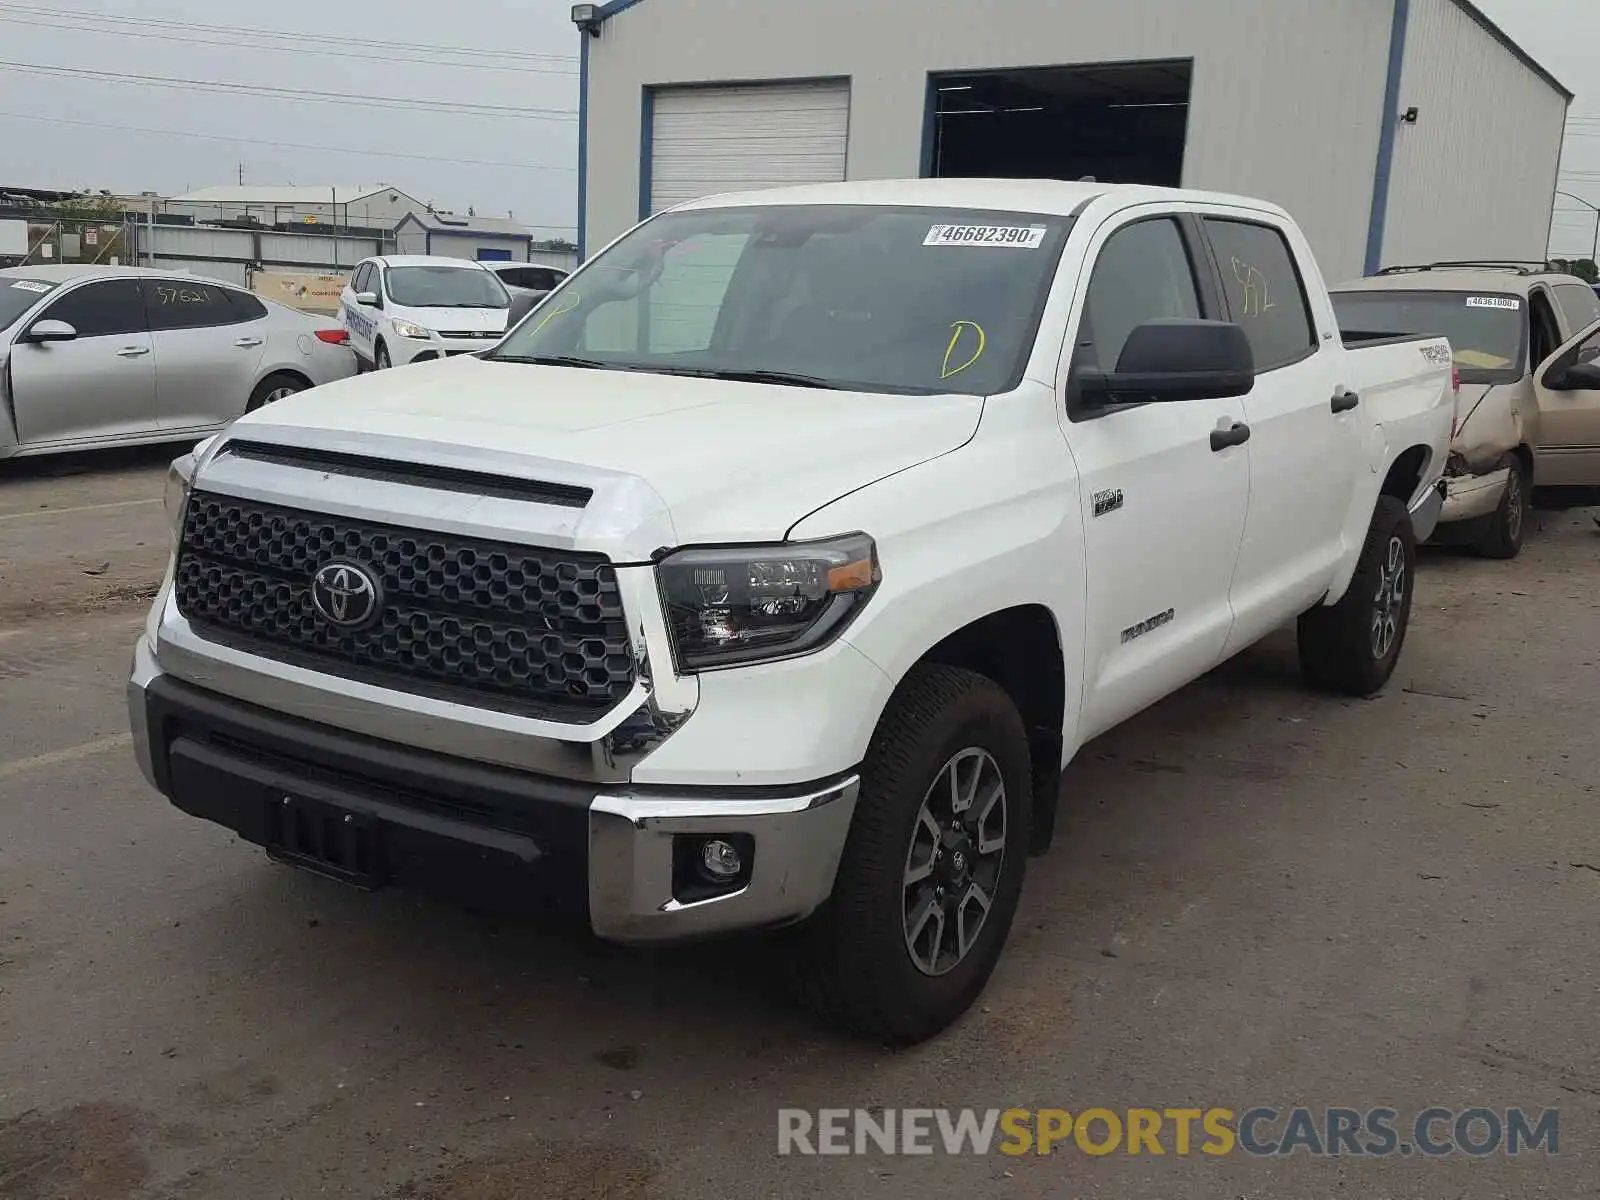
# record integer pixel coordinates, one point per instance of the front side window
(362, 280)
(17, 296)
(113, 306)
(1143, 273)
(446, 287)
(1264, 291)
(856, 297)
(186, 304)
(1487, 331)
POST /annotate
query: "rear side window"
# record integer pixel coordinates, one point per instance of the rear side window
(1265, 292)
(1143, 273)
(1579, 303)
(245, 306)
(186, 304)
(101, 309)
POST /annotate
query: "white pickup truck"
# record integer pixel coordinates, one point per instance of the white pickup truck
(770, 571)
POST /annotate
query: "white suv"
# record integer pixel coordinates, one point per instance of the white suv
(410, 308)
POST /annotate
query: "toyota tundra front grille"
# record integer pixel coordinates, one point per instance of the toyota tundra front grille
(519, 628)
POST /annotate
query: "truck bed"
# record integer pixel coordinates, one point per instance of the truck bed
(1407, 385)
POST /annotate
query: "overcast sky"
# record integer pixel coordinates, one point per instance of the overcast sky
(523, 57)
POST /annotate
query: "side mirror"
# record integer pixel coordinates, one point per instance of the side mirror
(367, 299)
(1176, 359)
(50, 331)
(1579, 377)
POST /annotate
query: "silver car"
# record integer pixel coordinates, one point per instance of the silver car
(529, 279)
(113, 356)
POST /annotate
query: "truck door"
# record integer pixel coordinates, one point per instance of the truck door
(1163, 501)
(1569, 413)
(1305, 422)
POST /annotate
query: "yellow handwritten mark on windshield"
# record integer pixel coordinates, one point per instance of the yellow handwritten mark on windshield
(560, 310)
(1254, 284)
(955, 340)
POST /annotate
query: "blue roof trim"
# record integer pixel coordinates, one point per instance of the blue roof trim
(1379, 217)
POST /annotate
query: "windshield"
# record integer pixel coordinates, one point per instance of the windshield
(1486, 332)
(17, 296)
(858, 297)
(446, 287)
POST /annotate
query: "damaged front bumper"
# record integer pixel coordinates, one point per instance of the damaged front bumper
(1468, 497)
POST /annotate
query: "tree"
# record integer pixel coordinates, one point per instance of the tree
(1585, 269)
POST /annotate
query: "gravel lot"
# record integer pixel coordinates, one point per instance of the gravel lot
(1259, 897)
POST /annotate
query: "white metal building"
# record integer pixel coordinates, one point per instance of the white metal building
(374, 206)
(1395, 130)
(487, 239)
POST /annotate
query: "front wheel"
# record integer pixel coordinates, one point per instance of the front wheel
(932, 872)
(1353, 646)
(380, 358)
(1508, 524)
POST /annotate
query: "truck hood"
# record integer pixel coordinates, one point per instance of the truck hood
(721, 461)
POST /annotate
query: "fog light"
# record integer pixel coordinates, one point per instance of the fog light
(721, 860)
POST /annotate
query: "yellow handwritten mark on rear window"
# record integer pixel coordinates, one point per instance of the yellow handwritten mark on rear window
(567, 305)
(956, 331)
(1254, 285)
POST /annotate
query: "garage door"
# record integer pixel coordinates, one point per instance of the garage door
(724, 139)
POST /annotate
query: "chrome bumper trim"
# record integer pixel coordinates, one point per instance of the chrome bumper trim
(798, 839)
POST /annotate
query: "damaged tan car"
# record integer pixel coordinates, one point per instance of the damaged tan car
(1526, 340)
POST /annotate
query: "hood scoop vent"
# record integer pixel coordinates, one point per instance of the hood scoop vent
(425, 475)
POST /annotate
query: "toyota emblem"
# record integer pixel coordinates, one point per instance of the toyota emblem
(346, 594)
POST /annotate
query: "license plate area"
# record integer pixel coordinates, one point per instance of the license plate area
(324, 838)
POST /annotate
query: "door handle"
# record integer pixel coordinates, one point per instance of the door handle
(1344, 400)
(1237, 435)
(132, 351)
(248, 343)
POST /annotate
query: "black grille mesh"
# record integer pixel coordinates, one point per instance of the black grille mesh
(513, 626)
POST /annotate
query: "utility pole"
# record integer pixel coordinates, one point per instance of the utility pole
(241, 174)
(1594, 255)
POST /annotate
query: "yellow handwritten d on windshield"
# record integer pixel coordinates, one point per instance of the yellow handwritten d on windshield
(955, 340)
(560, 310)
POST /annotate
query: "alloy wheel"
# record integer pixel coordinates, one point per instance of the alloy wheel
(1515, 508)
(1389, 603)
(953, 864)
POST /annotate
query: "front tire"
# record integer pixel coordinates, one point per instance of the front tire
(1353, 646)
(932, 872)
(1508, 526)
(380, 358)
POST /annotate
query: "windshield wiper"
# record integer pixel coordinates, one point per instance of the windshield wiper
(788, 378)
(557, 360)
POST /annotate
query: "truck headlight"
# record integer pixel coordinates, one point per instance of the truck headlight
(180, 475)
(407, 330)
(733, 605)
